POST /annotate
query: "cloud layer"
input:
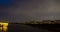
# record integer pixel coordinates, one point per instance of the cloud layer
(25, 10)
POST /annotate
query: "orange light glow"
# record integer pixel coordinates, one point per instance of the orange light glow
(3, 26)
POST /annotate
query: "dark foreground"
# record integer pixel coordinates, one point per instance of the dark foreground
(49, 27)
(32, 28)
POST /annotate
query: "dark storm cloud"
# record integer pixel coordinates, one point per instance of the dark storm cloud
(23, 10)
(3, 9)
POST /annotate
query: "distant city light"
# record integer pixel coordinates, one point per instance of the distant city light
(3, 26)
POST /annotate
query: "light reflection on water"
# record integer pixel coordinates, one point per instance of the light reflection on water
(3, 27)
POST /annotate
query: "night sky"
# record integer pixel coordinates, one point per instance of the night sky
(25, 10)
